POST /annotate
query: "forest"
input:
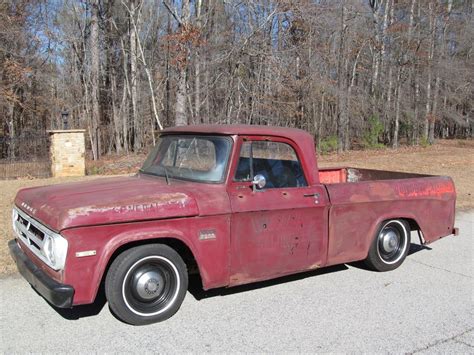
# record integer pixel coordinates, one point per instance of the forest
(354, 73)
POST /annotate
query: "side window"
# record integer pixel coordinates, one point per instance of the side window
(276, 161)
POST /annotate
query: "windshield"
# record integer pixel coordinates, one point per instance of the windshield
(189, 157)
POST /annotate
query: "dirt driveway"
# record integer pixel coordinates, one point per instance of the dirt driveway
(453, 158)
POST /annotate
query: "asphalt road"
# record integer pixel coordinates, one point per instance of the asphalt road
(424, 306)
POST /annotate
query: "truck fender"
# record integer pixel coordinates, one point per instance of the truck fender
(131, 238)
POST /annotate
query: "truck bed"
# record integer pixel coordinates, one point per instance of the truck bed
(362, 198)
(346, 174)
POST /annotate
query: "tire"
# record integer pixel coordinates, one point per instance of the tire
(146, 284)
(390, 246)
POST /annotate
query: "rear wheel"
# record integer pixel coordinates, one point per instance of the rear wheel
(146, 284)
(390, 246)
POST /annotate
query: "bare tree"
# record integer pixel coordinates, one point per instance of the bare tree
(350, 72)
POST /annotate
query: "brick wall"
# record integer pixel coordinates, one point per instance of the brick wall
(67, 152)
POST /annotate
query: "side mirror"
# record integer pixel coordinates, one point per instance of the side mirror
(259, 182)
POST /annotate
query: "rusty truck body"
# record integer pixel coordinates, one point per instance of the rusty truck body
(234, 204)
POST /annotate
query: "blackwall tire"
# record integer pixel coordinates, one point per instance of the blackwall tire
(390, 246)
(146, 284)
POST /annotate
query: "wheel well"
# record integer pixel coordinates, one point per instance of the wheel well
(177, 245)
(414, 226)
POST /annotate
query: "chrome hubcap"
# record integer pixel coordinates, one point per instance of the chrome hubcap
(390, 241)
(149, 285)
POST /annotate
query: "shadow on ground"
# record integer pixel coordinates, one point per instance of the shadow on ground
(195, 286)
(414, 248)
(88, 310)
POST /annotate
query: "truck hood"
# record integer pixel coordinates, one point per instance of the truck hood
(107, 200)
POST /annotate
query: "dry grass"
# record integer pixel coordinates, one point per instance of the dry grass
(8, 189)
(453, 158)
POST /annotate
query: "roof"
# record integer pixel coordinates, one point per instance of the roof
(239, 129)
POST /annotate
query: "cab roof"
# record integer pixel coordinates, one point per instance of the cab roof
(240, 129)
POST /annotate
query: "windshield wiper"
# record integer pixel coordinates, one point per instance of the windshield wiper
(149, 173)
(166, 175)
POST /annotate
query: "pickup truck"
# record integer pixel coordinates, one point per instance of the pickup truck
(233, 204)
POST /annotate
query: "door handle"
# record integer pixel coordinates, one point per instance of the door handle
(315, 195)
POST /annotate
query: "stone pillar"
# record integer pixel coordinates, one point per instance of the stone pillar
(67, 152)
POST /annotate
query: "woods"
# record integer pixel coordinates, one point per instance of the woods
(352, 72)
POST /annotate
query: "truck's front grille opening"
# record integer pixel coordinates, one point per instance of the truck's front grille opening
(22, 220)
(30, 232)
(32, 243)
(39, 234)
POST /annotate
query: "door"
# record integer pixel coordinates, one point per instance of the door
(280, 228)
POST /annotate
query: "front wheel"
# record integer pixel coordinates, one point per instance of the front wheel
(146, 284)
(390, 246)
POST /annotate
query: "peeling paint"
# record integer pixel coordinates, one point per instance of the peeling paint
(163, 200)
(314, 266)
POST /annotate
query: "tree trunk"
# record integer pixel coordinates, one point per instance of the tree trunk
(197, 67)
(412, 72)
(115, 115)
(342, 78)
(94, 40)
(396, 127)
(432, 27)
(133, 76)
(434, 111)
(181, 91)
(321, 116)
(147, 71)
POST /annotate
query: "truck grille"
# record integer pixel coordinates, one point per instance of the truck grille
(31, 233)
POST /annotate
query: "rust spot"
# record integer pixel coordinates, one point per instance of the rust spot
(242, 278)
(381, 190)
(358, 198)
(421, 189)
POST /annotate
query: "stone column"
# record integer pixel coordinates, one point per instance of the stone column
(67, 152)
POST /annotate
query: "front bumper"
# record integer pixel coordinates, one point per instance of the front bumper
(57, 294)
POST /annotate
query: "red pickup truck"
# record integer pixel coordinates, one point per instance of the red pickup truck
(234, 204)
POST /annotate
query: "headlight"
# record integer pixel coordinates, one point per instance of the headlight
(55, 250)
